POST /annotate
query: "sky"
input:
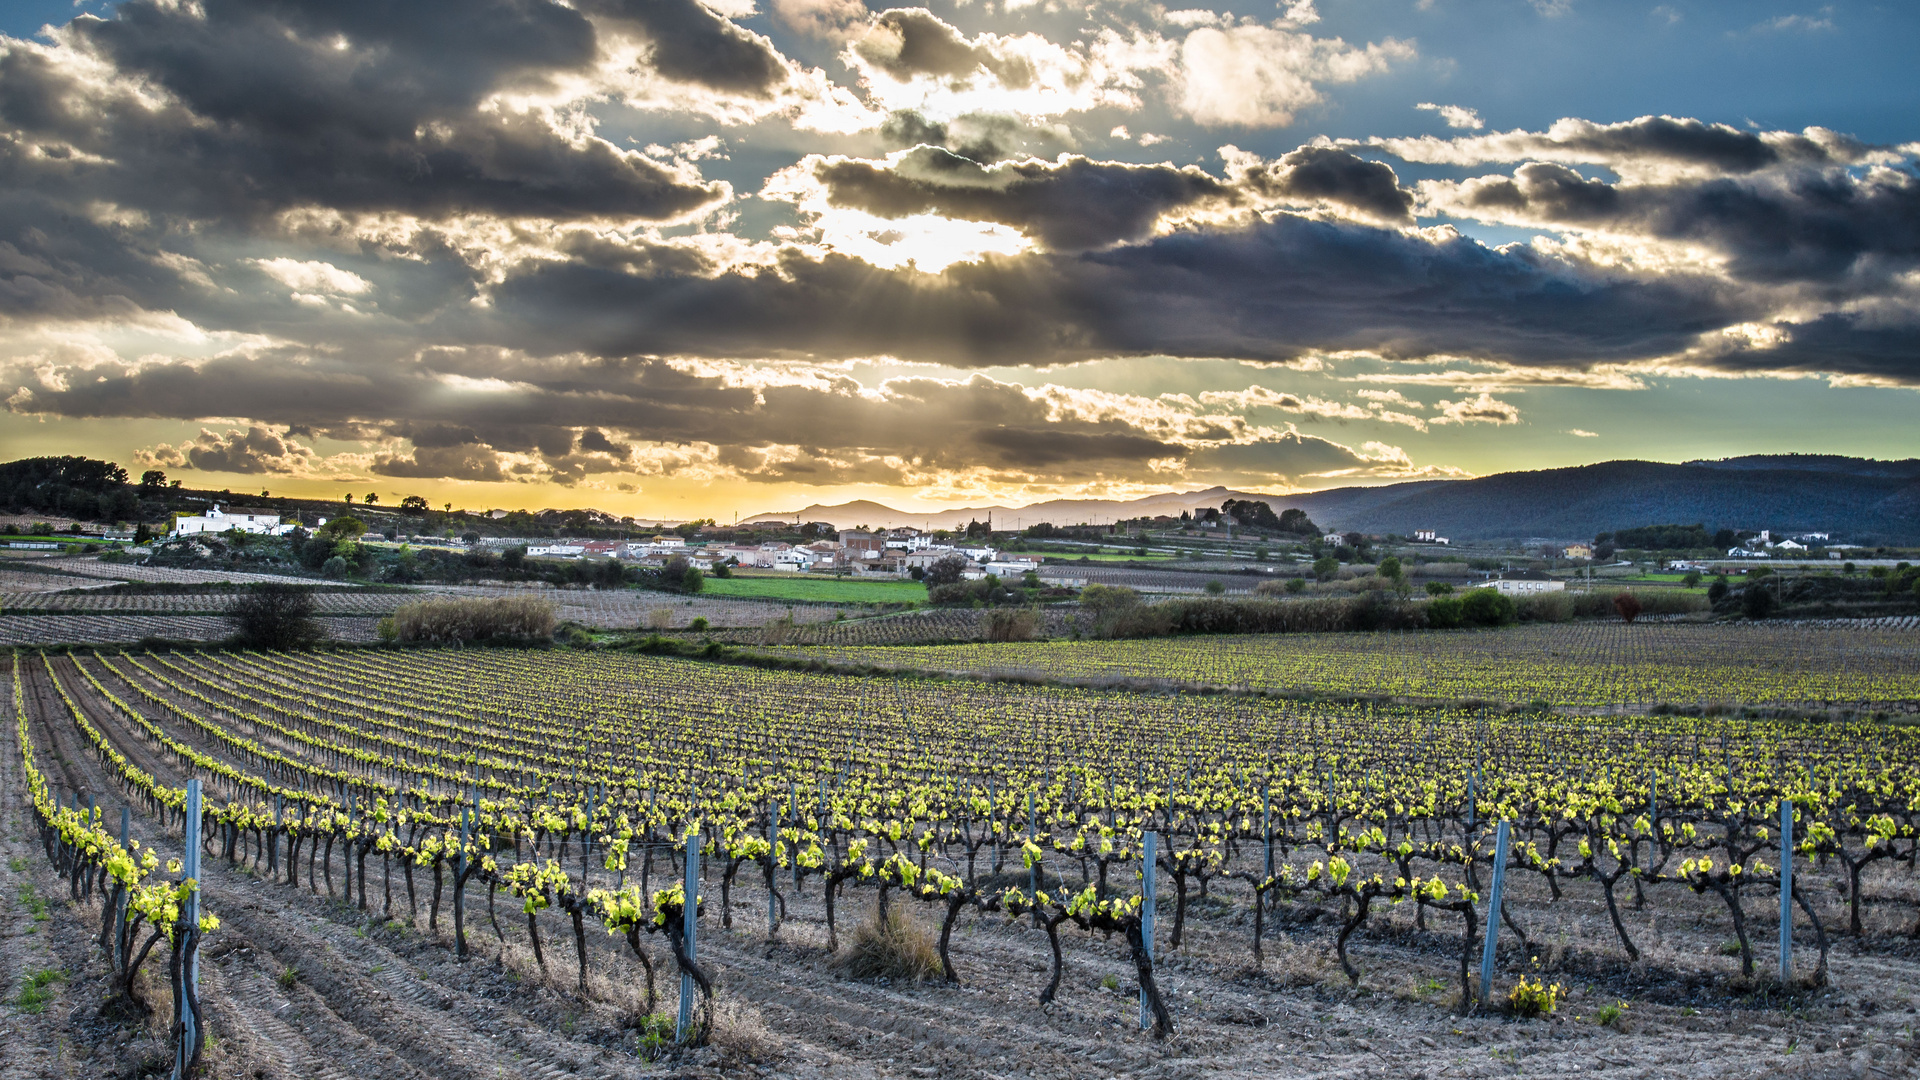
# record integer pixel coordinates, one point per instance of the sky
(707, 258)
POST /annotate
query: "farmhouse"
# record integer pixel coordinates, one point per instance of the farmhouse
(216, 520)
(1524, 583)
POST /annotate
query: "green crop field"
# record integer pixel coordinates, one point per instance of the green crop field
(817, 589)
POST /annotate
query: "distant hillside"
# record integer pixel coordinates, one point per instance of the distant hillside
(1057, 511)
(1857, 500)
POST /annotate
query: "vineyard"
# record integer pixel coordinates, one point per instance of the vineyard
(477, 862)
(1578, 665)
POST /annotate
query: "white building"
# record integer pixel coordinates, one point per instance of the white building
(216, 520)
(557, 551)
(1524, 583)
(1428, 536)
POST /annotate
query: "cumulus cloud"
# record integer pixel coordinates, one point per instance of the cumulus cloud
(1485, 409)
(255, 450)
(1797, 225)
(1456, 116)
(1263, 76)
(832, 20)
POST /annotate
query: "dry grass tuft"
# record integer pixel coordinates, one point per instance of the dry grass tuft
(899, 947)
(739, 1027)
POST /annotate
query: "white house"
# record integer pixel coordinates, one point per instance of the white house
(557, 551)
(216, 520)
(1789, 545)
(795, 559)
(1005, 568)
(1524, 583)
(1428, 536)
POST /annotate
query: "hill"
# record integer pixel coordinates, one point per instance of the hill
(1858, 500)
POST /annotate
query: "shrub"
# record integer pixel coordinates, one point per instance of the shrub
(1445, 612)
(691, 581)
(507, 618)
(1756, 602)
(275, 616)
(1296, 585)
(1717, 591)
(1439, 588)
(1486, 607)
(1544, 607)
(1628, 605)
(1215, 587)
(698, 624)
(335, 567)
(1010, 624)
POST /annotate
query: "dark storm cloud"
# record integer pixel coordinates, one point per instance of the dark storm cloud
(1808, 226)
(1648, 140)
(1266, 291)
(1325, 174)
(1071, 204)
(349, 106)
(1076, 203)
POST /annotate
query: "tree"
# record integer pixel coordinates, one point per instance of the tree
(1215, 587)
(1756, 602)
(1390, 569)
(1628, 605)
(1439, 588)
(692, 581)
(335, 567)
(413, 504)
(945, 570)
(1326, 567)
(152, 481)
(1692, 580)
(372, 499)
(1296, 585)
(514, 556)
(1717, 591)
(275, 616)
(343, 528)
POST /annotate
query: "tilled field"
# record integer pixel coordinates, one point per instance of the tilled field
(298, 982)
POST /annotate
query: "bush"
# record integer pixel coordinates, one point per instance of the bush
(1010, 624)
(1756, 602)
(691, 581)
(275, 616)
(1717, 591)
(698, 624)
(1445, 612)
(1600, 605)
(1439, 588)
(1629, 606)
(1544, 607)
(1486, 607)
(335, 567)
(506, 618)
(1296, 585)
(1215, 587)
